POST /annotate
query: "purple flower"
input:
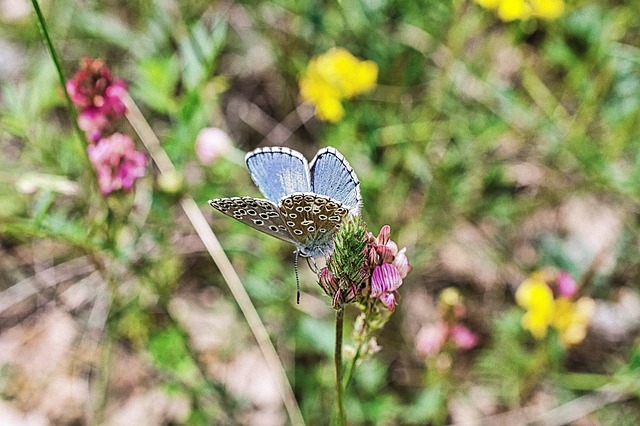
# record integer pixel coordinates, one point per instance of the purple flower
(385, 279)
(389, 300)
(365, 275)
(117, 163)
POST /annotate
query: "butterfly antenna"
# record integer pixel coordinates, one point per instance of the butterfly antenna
(295, 267)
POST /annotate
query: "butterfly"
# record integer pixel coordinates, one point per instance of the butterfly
(305, 203)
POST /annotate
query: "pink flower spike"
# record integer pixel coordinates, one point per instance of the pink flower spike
(384, 279)
(431, 339)
(463, 337)
(402, 263)
(567, 286)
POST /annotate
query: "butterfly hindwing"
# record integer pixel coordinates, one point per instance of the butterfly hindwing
(312, 220)
(278, 171)
(333, 176)
(259, 214)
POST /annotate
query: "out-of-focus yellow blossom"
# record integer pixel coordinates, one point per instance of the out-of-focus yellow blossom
(450, 296)
(336, 75)
(572, 318)
(537, 298)
(511, 10)
(569, 317)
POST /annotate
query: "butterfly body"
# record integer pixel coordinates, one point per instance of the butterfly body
(304, 205)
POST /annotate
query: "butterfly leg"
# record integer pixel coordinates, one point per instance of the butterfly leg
(313, 265)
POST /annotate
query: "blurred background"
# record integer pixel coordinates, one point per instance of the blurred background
(501, 143)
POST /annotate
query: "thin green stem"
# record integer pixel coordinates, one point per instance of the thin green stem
(351, 367)
(42, 25)
(340, 418)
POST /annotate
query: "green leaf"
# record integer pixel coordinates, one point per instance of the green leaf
(156, 83)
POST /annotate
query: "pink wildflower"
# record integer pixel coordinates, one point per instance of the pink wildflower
(363, 275)
(431, 339)
(94, 86)
(211, 144)
(567, 286)
(384, 279)
(462, 337)
(98, 96)
(388, 299)
(117, 163)
(402, 263)
(93, 123)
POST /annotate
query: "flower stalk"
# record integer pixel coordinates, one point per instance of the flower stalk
(340, 417)
(366, 271)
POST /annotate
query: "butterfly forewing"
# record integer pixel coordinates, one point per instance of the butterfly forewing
(278, 171)
(332, 176)
(262, 215)
(312, 221)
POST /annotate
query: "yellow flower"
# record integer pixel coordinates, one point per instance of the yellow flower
(335, 75)
(537, 298)
(572, 318)
(511, 10)
(450, 296)
(547, 9)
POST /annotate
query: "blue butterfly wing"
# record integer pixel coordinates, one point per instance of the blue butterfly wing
(332, 176)
(278, 171)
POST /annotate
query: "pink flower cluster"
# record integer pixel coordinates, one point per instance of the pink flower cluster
(383, 269)
(431, 339)
(99, 99)
(117, 163)
(390, 266)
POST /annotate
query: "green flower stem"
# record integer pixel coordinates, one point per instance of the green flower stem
(42, 25)
(352, 365)
(340, 418)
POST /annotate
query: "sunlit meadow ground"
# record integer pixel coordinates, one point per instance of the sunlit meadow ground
(493, 149)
